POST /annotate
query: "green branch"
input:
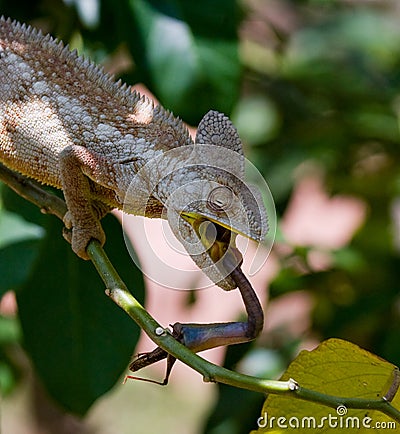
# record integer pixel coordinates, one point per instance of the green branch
(118, 292)
(381, 405)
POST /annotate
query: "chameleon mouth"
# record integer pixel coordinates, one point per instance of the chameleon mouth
(216, 237)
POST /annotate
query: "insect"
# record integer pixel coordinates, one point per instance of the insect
(191, 335)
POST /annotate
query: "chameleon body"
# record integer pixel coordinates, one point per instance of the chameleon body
(68, 124)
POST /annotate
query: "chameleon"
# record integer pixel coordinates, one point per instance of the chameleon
(66, 123)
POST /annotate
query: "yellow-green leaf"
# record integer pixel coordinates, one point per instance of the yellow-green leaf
(337, 368)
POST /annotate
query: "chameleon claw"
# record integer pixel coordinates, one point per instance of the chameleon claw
(67, 234)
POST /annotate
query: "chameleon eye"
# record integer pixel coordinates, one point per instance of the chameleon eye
(220, 199)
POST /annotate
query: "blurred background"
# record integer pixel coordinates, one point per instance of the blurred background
(313, 87)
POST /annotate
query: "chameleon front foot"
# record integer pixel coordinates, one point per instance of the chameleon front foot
(80, 237)
(200, 337)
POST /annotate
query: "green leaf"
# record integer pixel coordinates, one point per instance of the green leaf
(16, 261)
(190, 56)
(337, 368)
(10, 336)
(19, 206)
(9, 330)
(79, 341)
(19, 242)
(13, 228)
(185, 51)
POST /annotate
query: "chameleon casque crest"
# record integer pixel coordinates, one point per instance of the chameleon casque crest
(66, 123)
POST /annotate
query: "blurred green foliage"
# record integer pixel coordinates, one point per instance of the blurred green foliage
(77, 339)
(333, 81)
(304, 81)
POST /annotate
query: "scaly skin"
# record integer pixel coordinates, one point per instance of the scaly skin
(66, 123)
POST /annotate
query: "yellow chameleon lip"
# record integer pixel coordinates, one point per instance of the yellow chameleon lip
(195, 219)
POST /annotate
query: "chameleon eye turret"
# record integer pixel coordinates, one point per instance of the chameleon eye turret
(220, 199)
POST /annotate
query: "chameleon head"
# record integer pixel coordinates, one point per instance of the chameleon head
(200, 189)
(208, 224)
(210, 203)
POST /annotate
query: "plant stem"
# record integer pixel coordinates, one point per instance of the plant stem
(356, 403)
(118, 292)
(210, 372)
